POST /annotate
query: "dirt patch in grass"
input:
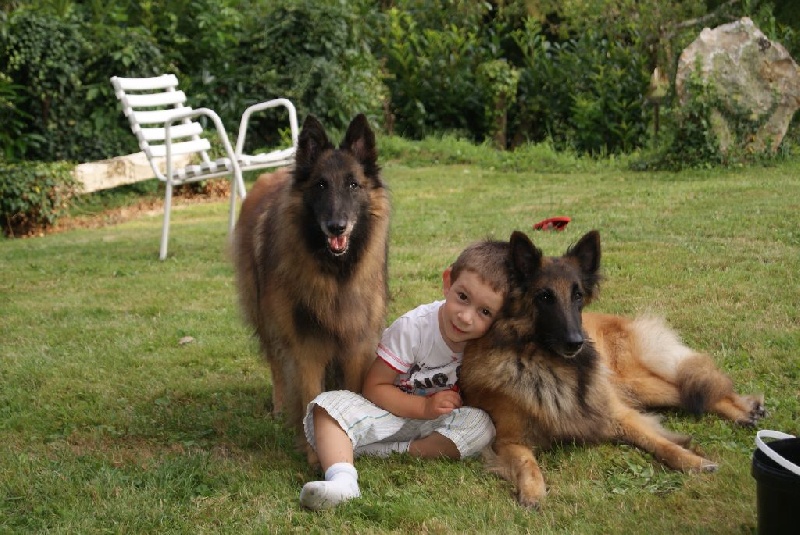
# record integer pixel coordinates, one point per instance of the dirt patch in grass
(198, 193)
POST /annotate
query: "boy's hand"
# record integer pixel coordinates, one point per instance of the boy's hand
(379, 388)
(441, 403)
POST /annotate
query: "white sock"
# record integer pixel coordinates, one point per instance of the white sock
(382, 449)
(341, 484)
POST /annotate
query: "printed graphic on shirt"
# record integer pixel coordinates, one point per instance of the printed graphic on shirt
(424, 380)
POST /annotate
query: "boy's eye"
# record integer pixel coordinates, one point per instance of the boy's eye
(462, 296)
(486, 312)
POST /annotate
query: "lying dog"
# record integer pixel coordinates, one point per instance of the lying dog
(546, 372)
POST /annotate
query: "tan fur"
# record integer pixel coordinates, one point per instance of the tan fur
(277, 276)
(653, 365)
(536, 395)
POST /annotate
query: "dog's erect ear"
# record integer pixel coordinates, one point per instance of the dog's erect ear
(525, 258)
(587, 255)
(587, 252)
(360, 142)
(312, 142)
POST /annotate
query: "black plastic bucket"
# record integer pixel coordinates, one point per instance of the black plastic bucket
(777, 486)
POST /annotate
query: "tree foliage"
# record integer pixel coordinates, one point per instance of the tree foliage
(59, 85)
(579, 69)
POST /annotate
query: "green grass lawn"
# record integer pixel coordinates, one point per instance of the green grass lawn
(109, 424)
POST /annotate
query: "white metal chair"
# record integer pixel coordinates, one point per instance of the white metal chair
(165, 128)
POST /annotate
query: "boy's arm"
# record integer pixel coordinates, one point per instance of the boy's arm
(380, 389)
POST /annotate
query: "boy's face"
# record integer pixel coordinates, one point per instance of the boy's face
(470, 308)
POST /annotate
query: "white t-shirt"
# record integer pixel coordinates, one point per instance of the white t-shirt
(415, 348)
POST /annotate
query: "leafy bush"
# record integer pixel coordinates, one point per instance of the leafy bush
(315, 54)
(66, 109)
(433, 65)
(42, 55)
(13, 136)
(101, 129)
(204, 50)
(585, 93)
(33, 195)
(499, 81)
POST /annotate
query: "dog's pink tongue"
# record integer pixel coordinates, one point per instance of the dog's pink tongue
(337, 243)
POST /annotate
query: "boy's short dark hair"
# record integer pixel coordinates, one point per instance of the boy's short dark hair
(488, 259)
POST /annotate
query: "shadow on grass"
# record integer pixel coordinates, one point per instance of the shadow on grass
(239, 417)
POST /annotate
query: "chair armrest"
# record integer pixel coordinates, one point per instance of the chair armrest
(189, 113)
(286, 103)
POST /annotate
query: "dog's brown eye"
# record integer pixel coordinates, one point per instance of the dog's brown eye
(322, 184)
(353, 184)
(545, 297)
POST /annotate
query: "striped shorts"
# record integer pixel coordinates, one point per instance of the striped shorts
(470, 429)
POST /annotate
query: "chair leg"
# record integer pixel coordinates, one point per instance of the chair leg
(165, 229)
(240, 185)
(237, 189)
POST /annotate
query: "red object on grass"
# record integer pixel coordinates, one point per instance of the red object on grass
(552, 223)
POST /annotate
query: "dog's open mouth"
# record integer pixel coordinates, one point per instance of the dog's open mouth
(338, 244)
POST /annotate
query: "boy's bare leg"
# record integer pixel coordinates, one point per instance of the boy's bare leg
(335, 451)
(333, 444)
(434, 446)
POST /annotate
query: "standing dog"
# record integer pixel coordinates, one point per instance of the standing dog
(545, 372)
(310, 253)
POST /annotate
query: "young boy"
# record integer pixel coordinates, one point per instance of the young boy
(410, 399)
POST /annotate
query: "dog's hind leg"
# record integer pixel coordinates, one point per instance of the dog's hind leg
(355, 362)
(744, 410)
(276, 374)
(643, 353)
(304, 376)
(649, 390)
(678, 376)
(705, 388)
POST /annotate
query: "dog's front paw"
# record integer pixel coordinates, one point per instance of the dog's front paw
(532, 494)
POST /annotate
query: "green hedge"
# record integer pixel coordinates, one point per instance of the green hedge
(34, 195)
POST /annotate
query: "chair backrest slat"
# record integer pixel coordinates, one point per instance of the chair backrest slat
(184, 147)
(176, 131)
(152, 100)
(153, 116)
(145, 84)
